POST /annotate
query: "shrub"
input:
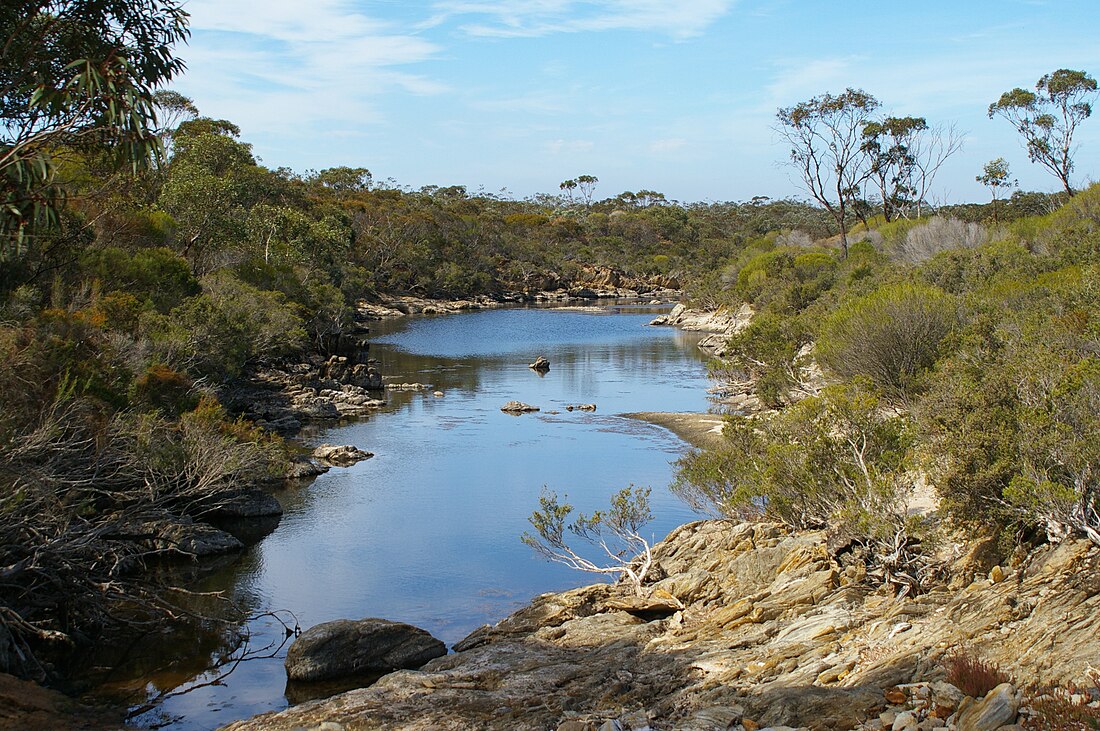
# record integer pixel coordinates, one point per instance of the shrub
(939, 234)
(764, 352)
(973, 676)
(158, 275)
(228, 327)
(891, 336)
(832, 460)
(164, 389)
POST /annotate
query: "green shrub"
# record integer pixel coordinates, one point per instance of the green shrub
(228, 327)
(158, 276)
(838, 459)
(891, 336)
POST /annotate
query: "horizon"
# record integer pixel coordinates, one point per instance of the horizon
(513, 97)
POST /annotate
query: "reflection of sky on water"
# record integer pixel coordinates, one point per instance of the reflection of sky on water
(427, 532)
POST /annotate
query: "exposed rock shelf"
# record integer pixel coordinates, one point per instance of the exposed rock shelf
(776, 629)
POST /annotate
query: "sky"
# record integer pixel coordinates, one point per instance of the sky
(516, 96)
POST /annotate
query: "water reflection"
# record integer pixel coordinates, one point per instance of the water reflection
(427, 532)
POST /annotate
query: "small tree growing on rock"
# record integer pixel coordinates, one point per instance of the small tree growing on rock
(616, 532)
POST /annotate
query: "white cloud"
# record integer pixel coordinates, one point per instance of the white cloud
(526, 18)
(262, 64)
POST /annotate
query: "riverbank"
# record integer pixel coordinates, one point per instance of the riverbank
(698, 430)
(778, 629)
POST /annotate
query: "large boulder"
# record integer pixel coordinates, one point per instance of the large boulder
(348, 647)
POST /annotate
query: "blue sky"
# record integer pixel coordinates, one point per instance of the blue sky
(678, 97)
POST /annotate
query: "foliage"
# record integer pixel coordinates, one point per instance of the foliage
(973, 676)
(76, 74)
(1047, 118)
(765, 355)
(835, 459)
(228, 327)
(891, 336)
(615, 532)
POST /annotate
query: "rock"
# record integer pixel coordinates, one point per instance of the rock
(581, 407)
(193, 539)
(655, 606)
(243, 503)
(301, 468)
(906, 721)
(540, 364)
(438, 394)
(997, 574)
(997, 709)
(406, 386)
(517, 407)
(344, 455)
(354, 647)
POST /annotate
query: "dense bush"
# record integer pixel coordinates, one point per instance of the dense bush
(891, 336)
(838, 459)
(228, 327)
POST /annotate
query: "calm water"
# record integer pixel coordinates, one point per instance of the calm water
(427, 532)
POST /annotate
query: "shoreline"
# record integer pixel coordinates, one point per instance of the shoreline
(697, 429)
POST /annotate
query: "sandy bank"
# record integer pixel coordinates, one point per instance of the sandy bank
(698, 430)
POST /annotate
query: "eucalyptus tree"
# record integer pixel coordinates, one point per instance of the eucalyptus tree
(997, 177)
(905, 154)
(1047, 118)
(76, 74)
(825, 135)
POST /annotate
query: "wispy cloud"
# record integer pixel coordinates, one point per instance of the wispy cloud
(529, 18)
(320, 63)
(565, 147)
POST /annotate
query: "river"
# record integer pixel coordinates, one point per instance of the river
(428, 530)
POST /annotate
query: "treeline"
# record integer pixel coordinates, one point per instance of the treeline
(960, 359)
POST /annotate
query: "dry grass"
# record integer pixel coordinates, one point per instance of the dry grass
(972, 675)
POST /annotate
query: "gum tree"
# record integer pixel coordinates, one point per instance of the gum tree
(997, 177)
(76, 74)
(825, 135)
(1047, 118)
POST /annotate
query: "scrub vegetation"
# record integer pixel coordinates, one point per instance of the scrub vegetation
(148, 261)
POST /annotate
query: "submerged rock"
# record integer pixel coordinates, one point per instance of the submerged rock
(356, 647)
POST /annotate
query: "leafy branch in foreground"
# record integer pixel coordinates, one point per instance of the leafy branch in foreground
(616, 532)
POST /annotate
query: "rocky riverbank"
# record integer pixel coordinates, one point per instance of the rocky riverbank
(778, 629)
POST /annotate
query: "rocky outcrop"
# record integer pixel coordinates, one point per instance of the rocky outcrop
(346, 648)
(776, 629)
(722, 321)
(320, 389)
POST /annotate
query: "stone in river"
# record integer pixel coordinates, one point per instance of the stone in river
(348, 647)
(517, 407)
